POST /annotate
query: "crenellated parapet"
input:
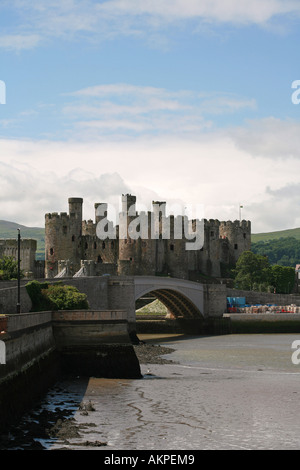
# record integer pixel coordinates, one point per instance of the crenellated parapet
(145, 242)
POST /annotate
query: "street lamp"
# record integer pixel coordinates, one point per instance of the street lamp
(19, 275)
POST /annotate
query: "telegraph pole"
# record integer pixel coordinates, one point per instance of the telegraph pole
(19, 273)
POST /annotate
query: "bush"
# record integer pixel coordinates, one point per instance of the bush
(45, 296)
(65, 297)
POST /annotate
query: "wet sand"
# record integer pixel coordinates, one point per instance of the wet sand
(223, 392)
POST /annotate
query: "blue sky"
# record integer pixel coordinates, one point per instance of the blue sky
(183, 101)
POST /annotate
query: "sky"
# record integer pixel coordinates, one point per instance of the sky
(192, 102)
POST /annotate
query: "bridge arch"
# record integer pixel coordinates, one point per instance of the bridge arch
(182, 298)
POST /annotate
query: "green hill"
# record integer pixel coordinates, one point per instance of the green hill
(262, 237)
(10, 230)
(281, 247)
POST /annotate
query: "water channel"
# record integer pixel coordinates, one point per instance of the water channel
(219, 392)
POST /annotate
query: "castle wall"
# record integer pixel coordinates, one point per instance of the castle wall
(63, 238)
(9, 247)
(135, 250)
(238, 234)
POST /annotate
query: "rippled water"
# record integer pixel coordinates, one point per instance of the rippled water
(224, 392)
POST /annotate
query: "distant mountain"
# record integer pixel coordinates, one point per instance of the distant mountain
(10, 230)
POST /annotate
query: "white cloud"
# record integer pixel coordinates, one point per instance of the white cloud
(234, 11)
(19, 42)
(113, 108)
(270, 137)
(42, 20)
(39, 176)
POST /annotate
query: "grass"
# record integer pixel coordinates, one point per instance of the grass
(293, 232)
(153, 308)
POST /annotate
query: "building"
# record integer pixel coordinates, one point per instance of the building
(145, 243)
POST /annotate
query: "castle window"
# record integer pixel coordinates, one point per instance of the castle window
(244, 235)
(95, 245)
(172, 247)
(103, 245)
(212, 234)
(112, 244)
(51, 251)
(65, 229)
(235, 246)
(86, 246)
(73, 238)
(99, 259)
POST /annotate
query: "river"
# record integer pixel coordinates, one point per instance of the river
(219, 392)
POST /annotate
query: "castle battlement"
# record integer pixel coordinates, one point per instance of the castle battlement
(56, 215)
(145, 242)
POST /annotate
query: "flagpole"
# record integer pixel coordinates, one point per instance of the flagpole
(18, 293)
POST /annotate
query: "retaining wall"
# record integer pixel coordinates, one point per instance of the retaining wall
(31, 363)
(264, 323)
(265, 298)
(39, 347)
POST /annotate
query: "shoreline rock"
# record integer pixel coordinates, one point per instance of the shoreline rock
(151, 353)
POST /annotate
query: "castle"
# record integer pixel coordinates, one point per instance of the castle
(76, 247)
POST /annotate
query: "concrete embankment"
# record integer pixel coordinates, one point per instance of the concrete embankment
(38, 348)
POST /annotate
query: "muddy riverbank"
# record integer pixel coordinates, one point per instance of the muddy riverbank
(57, 422)
(197, 393)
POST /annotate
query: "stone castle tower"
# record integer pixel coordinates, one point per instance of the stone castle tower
(139, 246)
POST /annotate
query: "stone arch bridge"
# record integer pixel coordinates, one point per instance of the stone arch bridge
(183, 298)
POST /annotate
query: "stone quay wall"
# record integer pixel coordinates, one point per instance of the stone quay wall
(36, 349)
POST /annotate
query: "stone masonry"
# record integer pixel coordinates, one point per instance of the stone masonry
(9, 248)
(73, 247)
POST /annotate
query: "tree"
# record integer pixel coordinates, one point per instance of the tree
(284, 251)
(252, 270)
(283, 279)
(9, 268)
